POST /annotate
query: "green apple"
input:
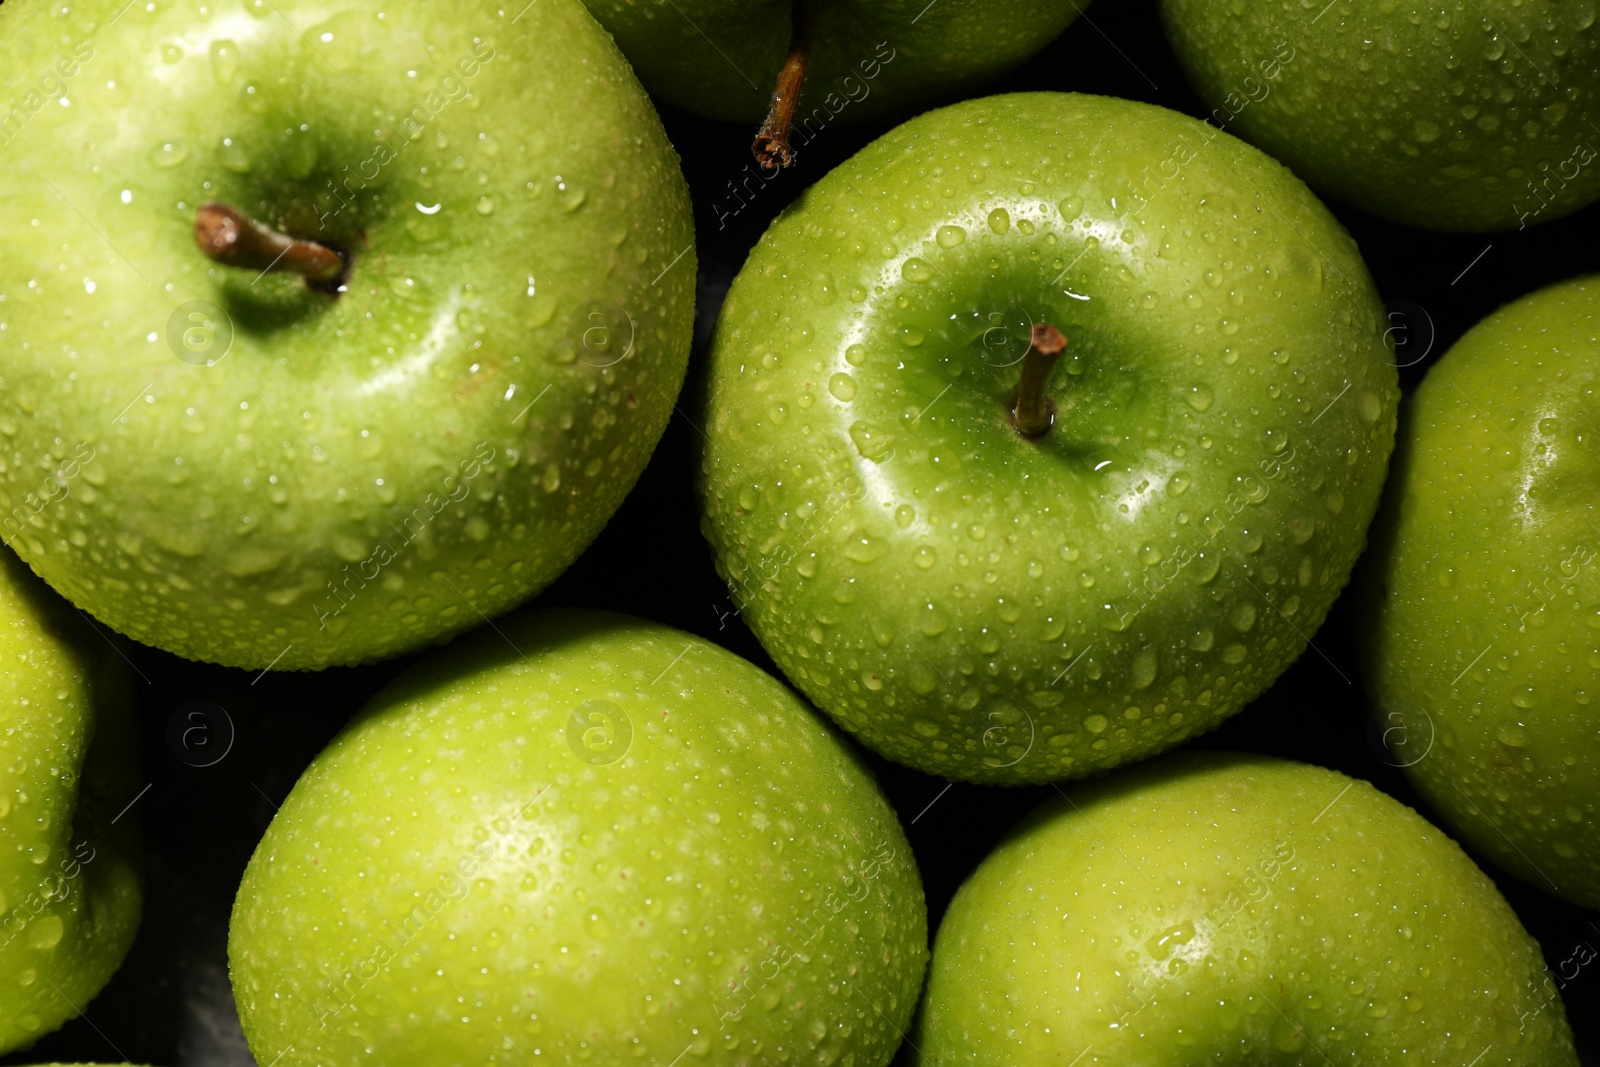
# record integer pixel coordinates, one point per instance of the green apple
(995, 605)
(261, 469)
(69, 888)
(1480, 614)
(1235, 909)
(1444, 116)
(867, 61)
(581, 837)
(806, 64)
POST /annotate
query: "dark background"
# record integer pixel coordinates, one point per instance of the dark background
(170, 1004)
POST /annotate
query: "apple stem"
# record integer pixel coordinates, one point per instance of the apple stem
(233, 240)
(771, 146)
(1035, 413)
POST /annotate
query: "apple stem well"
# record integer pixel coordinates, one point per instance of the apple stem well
(1034, 412)
(229, 238)
(771, 147)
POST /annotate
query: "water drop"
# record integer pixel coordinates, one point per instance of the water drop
(1198, 396)
(950, 236)
(169, 154)
(224, 61)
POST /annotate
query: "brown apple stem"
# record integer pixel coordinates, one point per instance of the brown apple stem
(229, 238)
(1034, 412)
(771, 145)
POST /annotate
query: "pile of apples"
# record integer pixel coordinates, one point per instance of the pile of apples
(1035, 439)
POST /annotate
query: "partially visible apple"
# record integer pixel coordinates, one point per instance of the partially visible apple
(1241, 910)
(858, 62)
(1480, 615)
(581, 837)
(1469, 116)
(266, 472)
(1005, 595)
(69, 889)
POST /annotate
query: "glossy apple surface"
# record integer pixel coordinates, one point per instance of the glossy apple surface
(69, 888)
(1479, 626)
(254, 473)
(610, 842)
(1439, 116)
(990, 607)
(870, 61)
(1235, 909)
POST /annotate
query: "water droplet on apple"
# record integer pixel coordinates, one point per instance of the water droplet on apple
(1371, 407)
(300, 156)
(916, 269)
(866, 548)
(911, 336)
(1071, 208)
(842, 386)
(224, 61)
(924, 557)
(169, 154)
(872, 443)
(1000, 221)
(45, 933)
(1198, 396)
(950, 236)
(233, 156)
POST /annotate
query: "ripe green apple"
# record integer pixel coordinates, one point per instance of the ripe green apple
(241, 467)
(1446, 117)
(69, 888)
(1235, 909)
(992, 606)
(581, 836)
(868, 62)
(1480, 608)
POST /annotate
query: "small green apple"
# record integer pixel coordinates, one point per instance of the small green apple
(1002, 604)
(1235, 909)
(867, 62)
(581, 836)
(1480, 613)
(1443, 116)
(69, 888)
(245, 468)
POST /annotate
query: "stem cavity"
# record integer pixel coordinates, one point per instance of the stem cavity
(1035, 412)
